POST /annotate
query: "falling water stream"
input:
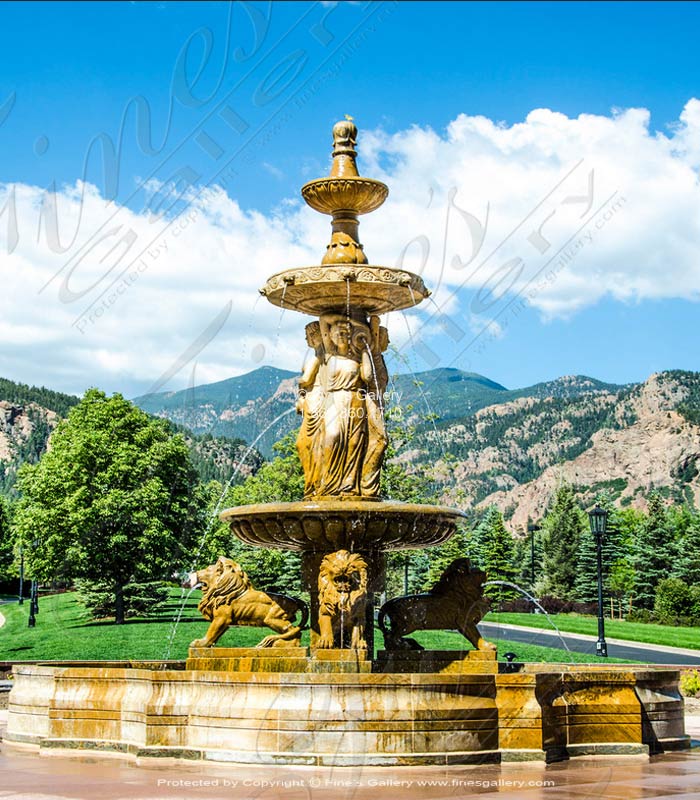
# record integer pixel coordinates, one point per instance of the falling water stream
(379, 394)
(413, 297)
(532, 600)
(279, 322)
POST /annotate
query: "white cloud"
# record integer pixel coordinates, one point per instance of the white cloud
(643, 243)
(276, 172)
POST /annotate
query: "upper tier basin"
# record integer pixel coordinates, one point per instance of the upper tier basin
(315, 290)
(337, 524)
(355, 194)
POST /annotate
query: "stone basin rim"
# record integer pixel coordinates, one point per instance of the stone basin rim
(339, 505)
(342, 523)
(323, 287)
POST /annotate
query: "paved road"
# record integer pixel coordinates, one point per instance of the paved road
(634, 651)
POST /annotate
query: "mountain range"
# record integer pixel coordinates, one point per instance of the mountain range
(479, 442)
(258, 407)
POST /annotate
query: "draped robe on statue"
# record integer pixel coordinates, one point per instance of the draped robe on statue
(345, 426)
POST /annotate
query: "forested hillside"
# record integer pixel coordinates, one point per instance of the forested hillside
(29, 414)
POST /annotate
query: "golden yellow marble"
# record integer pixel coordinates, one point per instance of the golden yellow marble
(549, 712)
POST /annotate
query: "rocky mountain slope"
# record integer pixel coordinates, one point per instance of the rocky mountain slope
(24, 431)
(257, 407)
(514, 454)
(28, 414)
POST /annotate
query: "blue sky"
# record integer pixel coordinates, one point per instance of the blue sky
(289, 70)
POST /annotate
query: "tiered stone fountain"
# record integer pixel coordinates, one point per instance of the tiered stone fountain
(334, 702)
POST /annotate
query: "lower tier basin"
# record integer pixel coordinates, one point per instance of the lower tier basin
(343, 524)
(544, 712)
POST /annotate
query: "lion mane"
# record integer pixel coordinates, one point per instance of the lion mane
(456, 601)
(231, 581)
(342, 597)
(229, 598)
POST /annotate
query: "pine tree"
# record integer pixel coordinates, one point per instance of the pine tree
(688, 564)
(442, 556)
(498, 553)
(586, 584)
(532, 559)
(563, 526)
(654, 554)
(529, 555)
(612, 544)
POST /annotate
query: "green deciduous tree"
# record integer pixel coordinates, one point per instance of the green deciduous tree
(114, 499)
(6, 555)
(673, 600)
(563, 527)
(621, 581)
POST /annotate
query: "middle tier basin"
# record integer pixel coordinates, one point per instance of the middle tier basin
(343, 524)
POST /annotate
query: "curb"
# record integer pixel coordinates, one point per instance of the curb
(588, 638)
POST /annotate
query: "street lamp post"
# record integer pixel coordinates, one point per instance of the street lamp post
(31, 622)
(598, 518)
(531, 529)
(21, 575)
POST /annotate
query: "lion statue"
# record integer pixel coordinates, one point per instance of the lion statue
(455, 602)
(228, 598)
(342, 599)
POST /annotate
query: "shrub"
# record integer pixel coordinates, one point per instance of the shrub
(555, 605)
(519, 605)
(695, 603)
(641, 615)
(140, 599)
(673, 600)
(690, 683)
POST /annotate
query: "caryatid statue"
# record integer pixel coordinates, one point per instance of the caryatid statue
(343, 438)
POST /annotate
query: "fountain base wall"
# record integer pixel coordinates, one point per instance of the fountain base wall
(544, 712)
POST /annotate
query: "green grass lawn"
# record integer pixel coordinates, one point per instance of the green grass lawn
(614, 629)
(64, 631)
(449, 640)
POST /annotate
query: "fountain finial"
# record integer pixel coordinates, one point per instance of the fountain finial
(344, 195)
(344, 153)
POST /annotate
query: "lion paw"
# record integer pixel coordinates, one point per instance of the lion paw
(324, 643)
(199, 643)
(482, 644)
